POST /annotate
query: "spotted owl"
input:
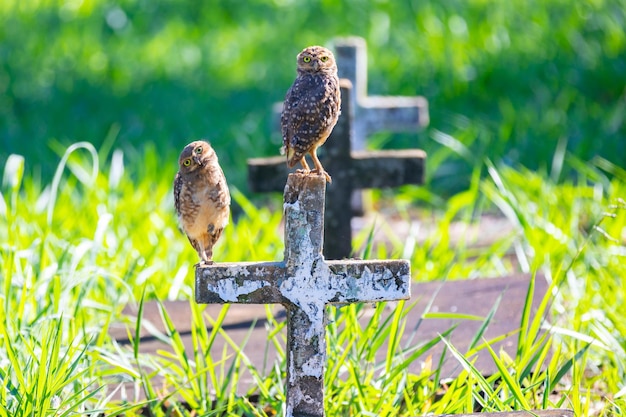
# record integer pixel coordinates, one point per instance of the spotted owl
(311, 108)
(201, 198)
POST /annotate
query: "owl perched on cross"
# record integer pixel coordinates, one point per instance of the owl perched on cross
(201, 198)
(311, 107)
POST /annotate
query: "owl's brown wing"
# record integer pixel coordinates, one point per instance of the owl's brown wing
(224, 201)
(311, 106)
(178, 185)
(301, 95)
(289, 108)
(329, 97)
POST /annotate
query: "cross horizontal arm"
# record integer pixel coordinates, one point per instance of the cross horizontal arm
(367, 169)
(347, 281)
(369, 281)
(242, 282)
(267, 174)
(393, 113)
(380, 169)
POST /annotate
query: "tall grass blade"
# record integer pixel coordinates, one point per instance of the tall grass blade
(483, 328)
(56, 180)
(509, 380)
(567, 366)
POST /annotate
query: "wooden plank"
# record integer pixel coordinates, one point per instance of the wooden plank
(474, 297)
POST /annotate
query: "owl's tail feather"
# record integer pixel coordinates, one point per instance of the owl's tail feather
(292, 162)
(293, 157)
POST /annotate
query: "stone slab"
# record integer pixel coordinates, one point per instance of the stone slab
(472, 297)
(479, 234)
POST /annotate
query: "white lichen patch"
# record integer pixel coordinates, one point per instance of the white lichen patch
(229, 290)
(315, 365)
(368, 281)
(292, 206)
(227, 270)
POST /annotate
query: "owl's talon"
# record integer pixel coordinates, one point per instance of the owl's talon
(324, 173)
(204, 263)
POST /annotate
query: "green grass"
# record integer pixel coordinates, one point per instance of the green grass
(527, 112)
(509, 80)
(78, 249)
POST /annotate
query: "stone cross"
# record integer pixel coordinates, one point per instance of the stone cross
(304, 283)
(351, 170)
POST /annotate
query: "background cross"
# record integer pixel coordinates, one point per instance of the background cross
(361, 116)
(304, 283)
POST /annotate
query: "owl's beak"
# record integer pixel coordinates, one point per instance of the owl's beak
(197, 160)
(316, 66)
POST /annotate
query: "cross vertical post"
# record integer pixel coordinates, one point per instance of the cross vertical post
(306, 345)
(304, 283)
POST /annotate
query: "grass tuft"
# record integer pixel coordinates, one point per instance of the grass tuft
(112, 242)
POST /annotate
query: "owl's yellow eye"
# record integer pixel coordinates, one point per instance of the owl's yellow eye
(187, 162)
(324, 58)
(307, 59)
(198, 149)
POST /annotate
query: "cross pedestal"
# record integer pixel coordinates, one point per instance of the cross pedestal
(304, 283)
(351, 170)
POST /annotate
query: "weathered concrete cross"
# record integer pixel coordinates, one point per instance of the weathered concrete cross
(304, 283)
(351, 170)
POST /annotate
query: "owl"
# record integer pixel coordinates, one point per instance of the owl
(201, 198)
(311, 108)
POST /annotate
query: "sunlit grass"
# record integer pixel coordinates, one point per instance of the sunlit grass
(76, 250)
(507, 83)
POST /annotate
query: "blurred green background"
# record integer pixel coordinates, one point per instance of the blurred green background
(506, 80)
